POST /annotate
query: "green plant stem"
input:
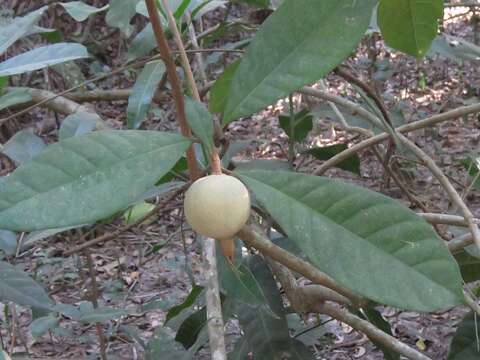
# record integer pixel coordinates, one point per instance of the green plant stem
(291, 141)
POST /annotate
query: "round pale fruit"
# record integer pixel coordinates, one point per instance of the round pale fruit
(217, 206)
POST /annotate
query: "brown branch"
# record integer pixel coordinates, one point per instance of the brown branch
(254, 238)
(341, 71)
(357, 110)
(58, 104)
(304, 300)
(370, 330)
(175, 83)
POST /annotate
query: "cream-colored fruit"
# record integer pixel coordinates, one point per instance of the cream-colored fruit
(217, 206)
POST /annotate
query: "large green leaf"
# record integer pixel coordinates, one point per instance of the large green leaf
(42, 57)
(142, 93)
(410, 25)
(86, 178)
(19, 27)
(81, 11)
(18, 287)
(465, 342)
(364, 240)
(287, 54)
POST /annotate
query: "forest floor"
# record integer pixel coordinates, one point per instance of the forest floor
(130, 276)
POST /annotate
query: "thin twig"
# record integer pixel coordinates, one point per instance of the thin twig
(370, 330)
(354, 109)
(94, 300)
(112, 235)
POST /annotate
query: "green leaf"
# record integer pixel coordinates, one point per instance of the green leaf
(120, 14)
(238, 282)
(259, 3)
(190, 329)
(264, 164)
(81, 11)
(465, 341)
(102, 314)
(19, 27)
(142, 93)
(137, 211)
(142, 43)
(234, 148)
(286, 54)
(42, 234)
(377, 319)
(15, 97)
(350, 233)
(8, 242)
(23, 146)
(163, 346)
(42, 57)
(201, 122)
(266, 332)
(189, 301)
(221, 87)
(88, 178)
(352, 163)
(409, 25)
(18, 287)
(452, 47)
(469, 266)
(302, 125)
(41, 326)
(77, 124)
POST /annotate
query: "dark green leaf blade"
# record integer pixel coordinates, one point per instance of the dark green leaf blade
(86, 178)
(302, 125)
(464, 344)
(364, 240)
(189, 301)
(286, 54)
(351, 164)
(201, 122)
(221, 88)
(142, 93)
(410, 25)
(266, 329)
(18, 287)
